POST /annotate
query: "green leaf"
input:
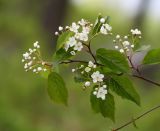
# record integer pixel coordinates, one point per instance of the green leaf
(79, 77)
(98, 24)
(134, 123)
(95, 103)
(61, 55)
(63, 38)
(105, 107)
(152, 57)
(124, 88)
(136, 44)
(57, 89)
(113, 59)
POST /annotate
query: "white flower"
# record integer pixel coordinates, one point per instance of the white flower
(126, 43)
(26, 55)
(78, 46)
(97, 77)
(101, 93)
(103, 30)
(82, 72)
(73, 70)
(125, 37)
(73, 53)
(117, 36)
(67, 27)
(23, 60)
(87, 83)
(95, 93)
(38, 46)
(43, 63)
(102, 20)
(56, 33)
(116, 47)
(44, 69)
(70, 43)
(74, 27)
(82, 22)
(108, 27)
(30, 50)
(87, 69)
(135, 32)
(104, 86)
(81, 66)
(90, 64)
(121, 50)
(60, 28)
(39, 68)
(86, 30)
(132, 46)
(34, 70)
(83, 36)
(35, 44)
(94, 66)
(30, 63)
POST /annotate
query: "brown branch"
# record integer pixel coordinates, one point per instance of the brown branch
(90, 51)
(135, 119)
(145, 79)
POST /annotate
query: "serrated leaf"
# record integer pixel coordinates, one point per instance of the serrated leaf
(105, 107)
(113, 59)
(57, 89)
(63, 38)
(152, 57)
(124, 88)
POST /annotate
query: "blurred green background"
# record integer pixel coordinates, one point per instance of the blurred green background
(24, 103)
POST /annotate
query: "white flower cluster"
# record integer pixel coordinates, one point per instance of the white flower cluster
(123, 44)
(32, 60)
(135, 32)
(81, 30)
(101, 92)
(95, 78)
(105, 28)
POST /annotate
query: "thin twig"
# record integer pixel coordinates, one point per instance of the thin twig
(135, 119)
(73, 61)
(145, 79)
(90, 51)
